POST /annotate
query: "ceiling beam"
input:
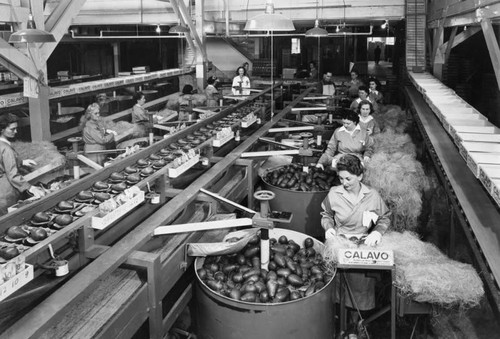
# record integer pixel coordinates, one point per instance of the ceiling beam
(464, 13)
(459, 38)
(442, 9)
(58, 23)
(13, 14)
(492, 43)
(18, 63)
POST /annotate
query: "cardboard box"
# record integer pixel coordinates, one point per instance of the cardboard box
(175, 172)
(16, 282)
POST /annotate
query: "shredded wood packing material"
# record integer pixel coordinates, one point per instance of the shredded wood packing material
(390, 142)
(422, 271)
(43, 152)
(391, 116)
(400, 179)
(120, 127)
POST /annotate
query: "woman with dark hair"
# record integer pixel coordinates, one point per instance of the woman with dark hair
(241, 82)
(139, 114)
(12, 183)
(349, 138)
(95, 135)
(211, 92)
(374, 91)
(366, 120)
(355, 210)
(353, 84)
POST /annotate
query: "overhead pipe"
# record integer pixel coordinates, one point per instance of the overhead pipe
(101, 36)
(227, 35)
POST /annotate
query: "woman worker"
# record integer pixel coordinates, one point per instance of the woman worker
(211, 92)
(366, 120)
(349, 210)
(375, 95)
(349, 138)
(12, 184)
(241, 82)
(140, 116)
(95, 135)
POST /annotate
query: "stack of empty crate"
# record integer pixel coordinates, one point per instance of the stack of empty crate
(477, 139)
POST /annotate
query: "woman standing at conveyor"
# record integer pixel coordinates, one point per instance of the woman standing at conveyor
(12, 184)
(95, 135)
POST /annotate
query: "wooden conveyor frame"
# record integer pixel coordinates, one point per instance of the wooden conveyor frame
(127, 250)
(471, 207)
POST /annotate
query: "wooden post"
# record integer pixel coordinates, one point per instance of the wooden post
(40, 115)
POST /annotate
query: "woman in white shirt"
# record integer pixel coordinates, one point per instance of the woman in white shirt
(241, 82)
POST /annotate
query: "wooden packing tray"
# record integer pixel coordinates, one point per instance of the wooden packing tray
(175, 172)
(470, 121)
(474, 159)
(457, 130)
(487, 173)
(100, 221)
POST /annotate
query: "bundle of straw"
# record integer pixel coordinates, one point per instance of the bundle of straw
(43, 152)
(400, 179)
(422, 271)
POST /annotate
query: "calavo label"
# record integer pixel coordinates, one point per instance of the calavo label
(354, 256)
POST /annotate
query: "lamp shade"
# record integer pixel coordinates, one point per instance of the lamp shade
(317, 31)
(269, 21)
(31, 35)
(178, 29)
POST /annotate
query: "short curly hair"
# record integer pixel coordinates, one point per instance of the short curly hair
(350, 163)
(348, 114)
(365, 102)
(7, 119)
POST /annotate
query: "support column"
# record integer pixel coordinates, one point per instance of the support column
(40, 115)
(201, 65)
(116, 58)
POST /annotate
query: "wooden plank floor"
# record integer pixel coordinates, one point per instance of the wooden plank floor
(87, 318)
(482, 214)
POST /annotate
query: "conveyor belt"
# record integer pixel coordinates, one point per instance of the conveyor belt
(475, 209)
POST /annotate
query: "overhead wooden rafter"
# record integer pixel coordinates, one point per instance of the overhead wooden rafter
(477, 15)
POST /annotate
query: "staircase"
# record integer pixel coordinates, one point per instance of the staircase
(226, 56)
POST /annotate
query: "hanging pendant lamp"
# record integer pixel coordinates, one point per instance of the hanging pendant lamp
(269, 21)
(317, 31)
(31, 34)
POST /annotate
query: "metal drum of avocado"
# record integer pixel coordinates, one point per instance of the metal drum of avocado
(220, 317)
(305, 206)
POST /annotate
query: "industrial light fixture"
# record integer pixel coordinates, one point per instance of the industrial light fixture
(158, 29)
(269, 21)
(31, 34)
(384, 25)
(316, 32)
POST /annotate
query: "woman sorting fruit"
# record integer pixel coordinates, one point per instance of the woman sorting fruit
(349, 138)
(95, 136)
(366, 120)
(241, 82)
(357, 212)
(12, 184)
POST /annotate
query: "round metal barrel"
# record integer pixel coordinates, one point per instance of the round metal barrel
(219, 317)
(305, 207)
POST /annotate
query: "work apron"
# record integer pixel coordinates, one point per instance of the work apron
(98, 158)
(361, 286)
(8, 195)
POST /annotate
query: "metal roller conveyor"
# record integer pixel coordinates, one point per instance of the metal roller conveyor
(165, 264)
